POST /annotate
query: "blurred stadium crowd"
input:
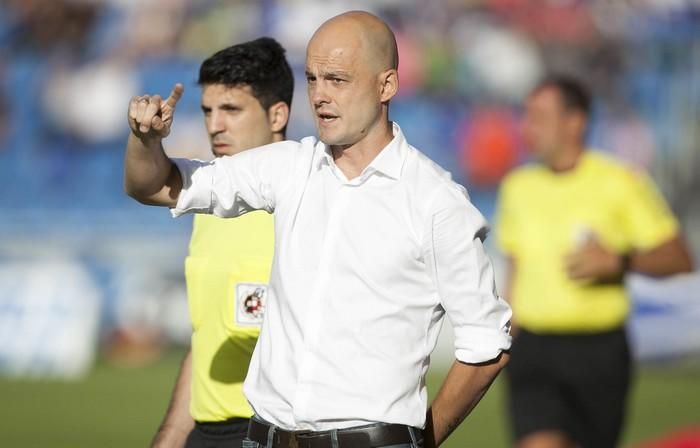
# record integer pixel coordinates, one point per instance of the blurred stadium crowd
(69, 67)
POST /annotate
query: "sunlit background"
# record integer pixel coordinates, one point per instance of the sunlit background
(93, 313)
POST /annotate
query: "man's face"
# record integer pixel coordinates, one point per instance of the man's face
(546, 123)
(234, 118)
(344, 90)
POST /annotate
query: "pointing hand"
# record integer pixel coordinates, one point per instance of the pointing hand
(151, 116)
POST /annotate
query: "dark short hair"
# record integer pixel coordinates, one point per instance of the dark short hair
(574, 94)
(260, 64)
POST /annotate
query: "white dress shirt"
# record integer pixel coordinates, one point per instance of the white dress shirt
(363, 273)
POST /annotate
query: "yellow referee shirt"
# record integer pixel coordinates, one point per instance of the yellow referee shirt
(227, 272)
(542, 216)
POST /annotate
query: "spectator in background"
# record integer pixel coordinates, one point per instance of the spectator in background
(246, 98)
(572, 226)
(43, 26)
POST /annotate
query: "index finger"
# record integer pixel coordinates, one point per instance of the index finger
(175, 95)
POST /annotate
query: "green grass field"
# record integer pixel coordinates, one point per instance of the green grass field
(115, 407)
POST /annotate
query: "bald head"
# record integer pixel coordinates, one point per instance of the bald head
(351, 77)
(365, 32)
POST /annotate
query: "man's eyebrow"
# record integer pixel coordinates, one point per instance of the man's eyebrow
(227, 105)
(335, 73)
(328, 73)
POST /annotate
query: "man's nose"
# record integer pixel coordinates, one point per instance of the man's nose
(215, 123)
(318, 93)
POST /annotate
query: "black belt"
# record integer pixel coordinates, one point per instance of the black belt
(370, 436)
(234, 425)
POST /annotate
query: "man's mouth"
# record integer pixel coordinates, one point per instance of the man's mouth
(219, 149)
(327, 118)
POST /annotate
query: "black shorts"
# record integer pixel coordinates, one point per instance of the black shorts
(573, 383)
(226, 434)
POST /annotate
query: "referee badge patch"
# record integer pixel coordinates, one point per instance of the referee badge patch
(250, 303)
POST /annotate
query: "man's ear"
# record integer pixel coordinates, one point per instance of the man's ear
(388, 84)
(579, 123)
(278, 116)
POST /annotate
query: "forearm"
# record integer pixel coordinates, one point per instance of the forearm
(177, 423)
(459, 394)
(669, 258)
(149, 175)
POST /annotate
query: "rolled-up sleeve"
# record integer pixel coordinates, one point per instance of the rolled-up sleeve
(230, 186)
(464, 278)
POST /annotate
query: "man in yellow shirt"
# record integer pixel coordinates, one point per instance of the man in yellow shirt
(246, 97)
(572, 225)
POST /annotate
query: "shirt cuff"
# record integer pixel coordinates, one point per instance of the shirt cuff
(196, 193)
(476, 344)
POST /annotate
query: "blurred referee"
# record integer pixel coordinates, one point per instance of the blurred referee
(572, 226)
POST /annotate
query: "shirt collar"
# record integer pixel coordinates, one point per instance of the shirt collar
(389, 161)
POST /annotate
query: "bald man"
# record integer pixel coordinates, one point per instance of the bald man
(374, 244)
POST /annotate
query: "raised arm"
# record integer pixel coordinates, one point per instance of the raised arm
(149, 176)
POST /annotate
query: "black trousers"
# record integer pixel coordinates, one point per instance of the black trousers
(576, 383)
(226, 434)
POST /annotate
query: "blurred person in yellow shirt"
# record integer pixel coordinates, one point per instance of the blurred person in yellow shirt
(246, 98)
(571, 226)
